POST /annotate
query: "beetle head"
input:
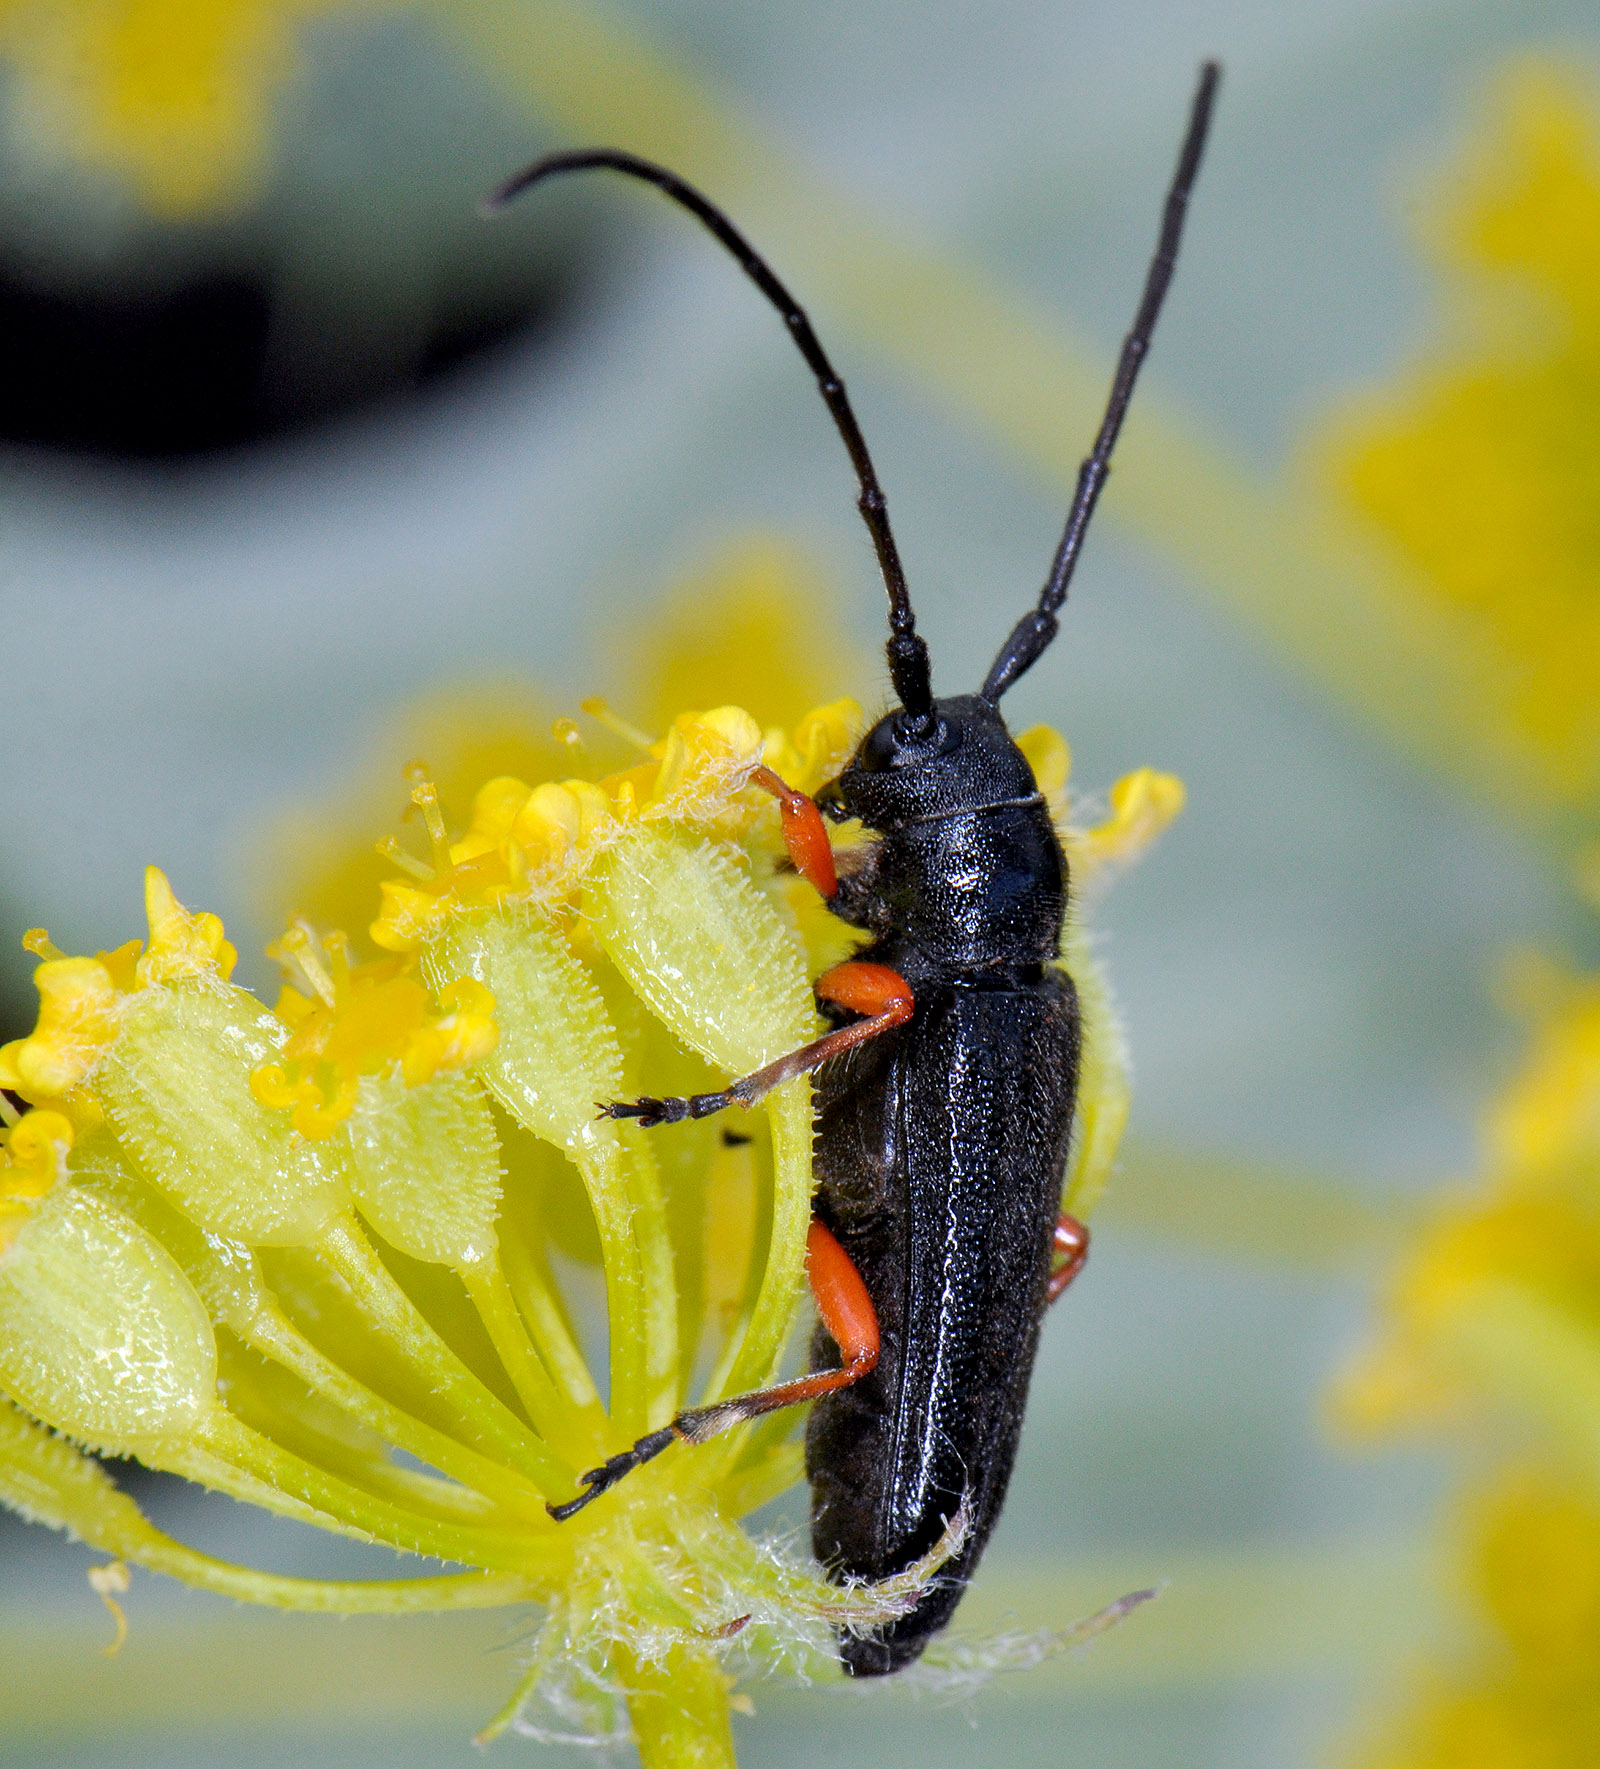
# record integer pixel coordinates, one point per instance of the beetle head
(960, 757)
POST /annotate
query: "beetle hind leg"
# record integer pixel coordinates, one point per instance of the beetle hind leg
(845, 1310)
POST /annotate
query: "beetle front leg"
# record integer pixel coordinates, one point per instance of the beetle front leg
(805, 835)
(844, 1308)
(880, 994)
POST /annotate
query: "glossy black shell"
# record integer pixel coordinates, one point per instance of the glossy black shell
(941, 1151)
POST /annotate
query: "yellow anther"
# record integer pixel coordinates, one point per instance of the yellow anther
(9, 1115)
(826, 738)
(495, 807)
(80, 1011)
(123, 964)
(1142, 805)
(537, 842)
(1048, 756)
(737, 730)
(425, 796)
(367, 1020)
(547, 823)
(569, 735)
(602, 714)
(37, 941)
(408, 863)
(595, 811)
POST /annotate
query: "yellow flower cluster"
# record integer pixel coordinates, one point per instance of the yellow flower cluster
(365, 1019)
(206, 1217)
(539, 843)
(82, 1000)
(1479, 465)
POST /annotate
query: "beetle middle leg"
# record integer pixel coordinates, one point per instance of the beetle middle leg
(1070, 1244)
(844, 1308)
(880, 994)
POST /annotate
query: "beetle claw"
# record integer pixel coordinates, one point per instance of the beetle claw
(648, 1110)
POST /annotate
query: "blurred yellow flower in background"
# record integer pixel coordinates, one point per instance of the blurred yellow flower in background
(1481, 466)
(175, 96)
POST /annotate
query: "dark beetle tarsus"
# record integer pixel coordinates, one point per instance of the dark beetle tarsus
(602, 1479)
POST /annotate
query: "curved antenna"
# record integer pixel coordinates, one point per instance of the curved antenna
(908, 654)
(1037, 628)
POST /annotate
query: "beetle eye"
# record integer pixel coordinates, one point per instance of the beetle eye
(901, 741)
(881, 747)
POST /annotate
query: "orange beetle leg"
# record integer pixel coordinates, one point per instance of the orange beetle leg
(1069, 1243)
(805, 835)
(871, 989)
(846, 1311)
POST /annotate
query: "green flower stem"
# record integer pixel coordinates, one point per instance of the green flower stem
(748, 1489)
(51, 1481)
(234, 1444)
(541, 1314)
(789, 1111)
(460, 1590)
(276, 1412)
(197, 1463)
(348, 1252)
(272, 1335)
(486, 1285)
(679, 1709)
(601, 1163)
(649, 1217)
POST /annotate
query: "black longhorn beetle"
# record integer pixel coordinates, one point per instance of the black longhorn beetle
(945, 1093)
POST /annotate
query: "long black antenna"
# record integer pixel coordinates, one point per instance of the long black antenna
(1038, 627)
(908, 655)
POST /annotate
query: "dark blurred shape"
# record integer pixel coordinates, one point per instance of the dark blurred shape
(218, 361)
(19, 1006)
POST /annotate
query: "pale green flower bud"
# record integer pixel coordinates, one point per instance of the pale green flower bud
(176, 1087)
(101, 1334)
(425, 1167)
(557, 1055)
(702, 947)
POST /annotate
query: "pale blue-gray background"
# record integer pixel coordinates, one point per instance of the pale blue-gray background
(1303, 963)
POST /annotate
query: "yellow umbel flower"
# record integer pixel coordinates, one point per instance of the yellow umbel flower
(308, 1257)
(1527, 1691)
(1479, 465)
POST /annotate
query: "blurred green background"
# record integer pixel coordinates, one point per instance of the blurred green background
(293, 440)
